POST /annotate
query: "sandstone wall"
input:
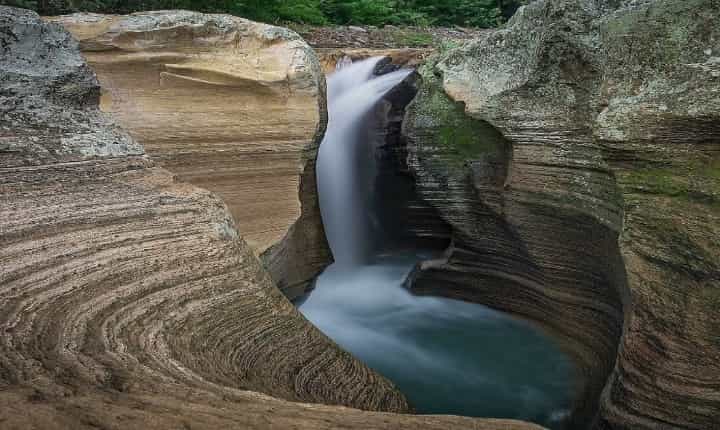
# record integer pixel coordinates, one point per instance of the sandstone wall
(117, 276)
(659, 122)
(575, 154)
(230, 105)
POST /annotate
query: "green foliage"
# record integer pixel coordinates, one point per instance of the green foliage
(26, 4)
(476, 13)
(302, 11)
(370, 12)
(472, 13)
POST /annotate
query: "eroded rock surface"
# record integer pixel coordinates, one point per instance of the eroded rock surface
(230, 105)
(116, 275)
(127, 298)
(575, 155)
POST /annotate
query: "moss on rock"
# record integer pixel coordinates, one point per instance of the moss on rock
(449, 133)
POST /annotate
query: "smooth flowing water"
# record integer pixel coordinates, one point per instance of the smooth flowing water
(446, 356)
(345, 165)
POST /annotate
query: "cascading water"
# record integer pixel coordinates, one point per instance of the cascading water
(345, 165)
(446, 356)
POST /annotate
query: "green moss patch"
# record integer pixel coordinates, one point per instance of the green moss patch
(696, 182)
(448, 131)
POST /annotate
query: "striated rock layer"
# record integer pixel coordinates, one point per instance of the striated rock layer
(116, 275)
(127, 298)
(230, 105)
(575, 154)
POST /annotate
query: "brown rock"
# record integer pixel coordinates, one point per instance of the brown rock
(230, 105)
(117, 276)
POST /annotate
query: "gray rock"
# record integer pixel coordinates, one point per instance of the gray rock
(579, 172)
(48, 105)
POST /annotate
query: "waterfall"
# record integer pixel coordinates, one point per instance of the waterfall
(345, 163)
(447, 356)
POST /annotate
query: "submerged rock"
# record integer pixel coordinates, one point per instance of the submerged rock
(575, 155)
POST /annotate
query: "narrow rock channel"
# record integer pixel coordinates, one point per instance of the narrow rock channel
(447, 356)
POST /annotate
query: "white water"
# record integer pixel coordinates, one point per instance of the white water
(344, 167)
(445, 355)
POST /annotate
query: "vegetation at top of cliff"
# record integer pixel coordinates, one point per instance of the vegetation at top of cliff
(471, 13)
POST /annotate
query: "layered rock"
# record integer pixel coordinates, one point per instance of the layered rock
(659, 123)
(127, 297)
(575, 154)
(230, 105)
(115, 275)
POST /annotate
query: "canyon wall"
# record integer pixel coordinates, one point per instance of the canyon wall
(230, 105)
(575, 155)
(117, 275)
(128, 298)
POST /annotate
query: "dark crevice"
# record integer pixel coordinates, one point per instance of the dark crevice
(404, 217)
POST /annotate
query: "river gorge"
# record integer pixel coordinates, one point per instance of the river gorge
(541, 201)
(445, 355)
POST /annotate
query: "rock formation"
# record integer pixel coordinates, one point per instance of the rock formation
(127, 297)
(575, 155)
(227, 104)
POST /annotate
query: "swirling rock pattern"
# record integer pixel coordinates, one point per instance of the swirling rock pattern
(115, 274)
(127, 297)
(575, 155)
(233, 106)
